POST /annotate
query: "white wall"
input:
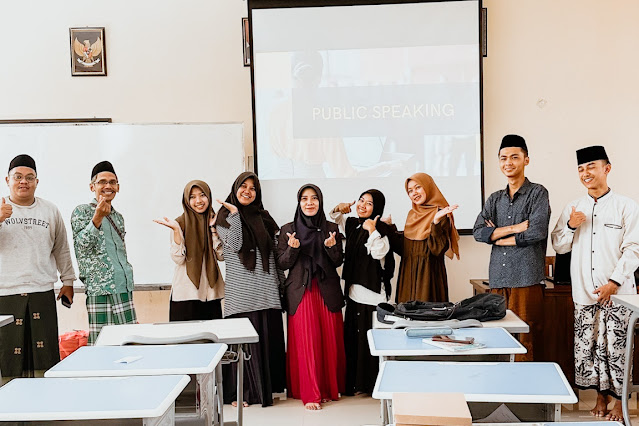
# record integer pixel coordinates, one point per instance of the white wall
(167, 61)
(581, 56)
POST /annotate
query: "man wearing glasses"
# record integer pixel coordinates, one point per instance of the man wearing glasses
(98, 237)
(33, 245)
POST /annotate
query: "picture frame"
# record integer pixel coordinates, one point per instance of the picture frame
(246, 44)
(88, 51)
(484, 32)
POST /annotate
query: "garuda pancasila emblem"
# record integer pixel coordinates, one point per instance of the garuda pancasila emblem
(88, 53)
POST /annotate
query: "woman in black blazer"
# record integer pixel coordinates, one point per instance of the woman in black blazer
(310, 248)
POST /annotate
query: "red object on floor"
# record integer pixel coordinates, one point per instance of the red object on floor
(71, 341)
(315, 363)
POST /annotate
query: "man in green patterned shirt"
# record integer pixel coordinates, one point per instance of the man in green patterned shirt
(98, 238)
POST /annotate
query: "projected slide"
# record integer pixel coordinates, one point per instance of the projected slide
(364, 96)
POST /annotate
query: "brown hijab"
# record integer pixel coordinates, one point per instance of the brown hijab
(197, 237)
(420, 217)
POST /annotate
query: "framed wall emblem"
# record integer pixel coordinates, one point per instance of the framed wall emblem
(88, 52)
(246, 42)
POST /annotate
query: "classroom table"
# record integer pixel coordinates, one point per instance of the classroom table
(151, 398)
(591, 423)
(511, 323)
(392, 344)
(235, 332)
(148, 360)
(497, 382)
(630, 301)
(4, 320)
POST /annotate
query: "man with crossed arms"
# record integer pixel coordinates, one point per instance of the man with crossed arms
(515, 222)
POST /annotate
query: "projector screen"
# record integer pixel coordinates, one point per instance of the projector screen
(359, 97)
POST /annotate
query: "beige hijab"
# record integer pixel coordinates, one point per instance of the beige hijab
(197, 237)
(420, 217)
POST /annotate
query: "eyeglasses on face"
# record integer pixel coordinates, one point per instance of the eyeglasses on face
(18, 177)
(107, 182)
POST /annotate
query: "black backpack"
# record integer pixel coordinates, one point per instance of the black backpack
(482, 307)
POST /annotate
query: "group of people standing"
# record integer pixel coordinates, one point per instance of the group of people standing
(294, 268)
(601, 229)
(34, 248)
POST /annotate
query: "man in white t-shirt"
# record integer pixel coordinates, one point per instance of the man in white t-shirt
(33, 248)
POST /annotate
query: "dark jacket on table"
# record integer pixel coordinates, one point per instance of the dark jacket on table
(295, 284)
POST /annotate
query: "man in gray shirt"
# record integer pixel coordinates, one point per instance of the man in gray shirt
(515, 222)
(33, 249)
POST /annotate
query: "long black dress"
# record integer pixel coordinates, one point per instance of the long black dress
(360, 268)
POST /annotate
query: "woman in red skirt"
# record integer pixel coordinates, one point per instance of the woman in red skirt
(310, 248)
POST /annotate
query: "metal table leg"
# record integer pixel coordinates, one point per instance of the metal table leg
(382, 403)
(168, 418)
(240, 384)
(205, 391)
(219, 400)
(556, 412)
(630, 340)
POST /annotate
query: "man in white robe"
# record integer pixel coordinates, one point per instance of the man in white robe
(602, 231)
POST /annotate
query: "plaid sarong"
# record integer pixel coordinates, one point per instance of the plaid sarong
(109, 309)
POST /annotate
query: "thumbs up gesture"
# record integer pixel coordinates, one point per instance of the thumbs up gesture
(6, 210)
(370, 224)
(344, 208)
(576, 218)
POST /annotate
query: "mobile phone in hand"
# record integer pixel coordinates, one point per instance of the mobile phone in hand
(65, 301)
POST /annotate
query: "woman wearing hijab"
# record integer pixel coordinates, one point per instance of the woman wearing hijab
(428, 236)
(310, 248)
(369, 266)
(252, 289)
(197, 287)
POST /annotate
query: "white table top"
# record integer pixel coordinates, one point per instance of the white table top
(385, 342)
(591, 423)
(89, 398)
(100, 361)
(523, 382)
(5, 319)
(511, 323)
(630, 301)
(602, 423)
(229, 331)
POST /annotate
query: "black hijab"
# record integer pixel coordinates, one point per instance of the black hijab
(311, 231)
(258, 227)
(359, 266)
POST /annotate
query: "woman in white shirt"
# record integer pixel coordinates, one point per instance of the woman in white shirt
(197, 287)
(368, 268)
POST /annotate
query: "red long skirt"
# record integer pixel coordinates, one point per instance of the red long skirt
(316, 363)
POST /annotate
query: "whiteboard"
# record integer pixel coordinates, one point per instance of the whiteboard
(153, 163)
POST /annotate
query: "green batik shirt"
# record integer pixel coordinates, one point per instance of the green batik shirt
(101, 253)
